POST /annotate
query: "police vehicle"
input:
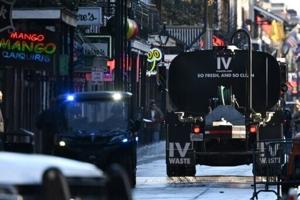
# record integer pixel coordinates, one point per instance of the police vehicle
(97, 127)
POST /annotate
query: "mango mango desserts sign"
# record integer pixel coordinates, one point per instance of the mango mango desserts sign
(32, 49)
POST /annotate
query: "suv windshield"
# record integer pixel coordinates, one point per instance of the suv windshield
(96, 116)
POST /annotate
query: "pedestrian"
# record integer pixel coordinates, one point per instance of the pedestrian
(296, 116)
(156, 117)
(287, 128)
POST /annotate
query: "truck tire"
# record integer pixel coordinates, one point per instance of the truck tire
(132, 174)
(180, 171)
(129, 164)
(118, 187)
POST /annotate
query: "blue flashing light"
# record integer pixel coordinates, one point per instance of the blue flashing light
(125, 140)
(70, 97)
(137, 139)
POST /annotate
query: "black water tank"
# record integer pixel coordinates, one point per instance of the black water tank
(194, 78)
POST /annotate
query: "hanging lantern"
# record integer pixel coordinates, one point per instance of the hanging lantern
(132, 29)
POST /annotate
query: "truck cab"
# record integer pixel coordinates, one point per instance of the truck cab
(96, 127)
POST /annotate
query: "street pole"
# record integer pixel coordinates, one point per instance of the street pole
(117, 44)
(162, 82)
(71, 68)
(164, 103)
(249, 70)
(209, 24)
(162, 74)
(163, 37)
(120, 24)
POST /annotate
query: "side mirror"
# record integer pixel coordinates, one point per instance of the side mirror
(135, 125)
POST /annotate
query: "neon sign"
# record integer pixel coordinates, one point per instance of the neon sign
(153, 56)
(27, 36)
(27, 47)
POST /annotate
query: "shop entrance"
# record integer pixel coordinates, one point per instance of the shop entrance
(26, 93)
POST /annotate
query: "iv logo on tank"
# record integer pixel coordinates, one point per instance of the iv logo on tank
(225, 63)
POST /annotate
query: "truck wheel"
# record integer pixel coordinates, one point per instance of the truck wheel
(284, 186)
(285, 190)
(129, 165)
(132, 173)
(180, 171)
(171, 171)
(118, 183)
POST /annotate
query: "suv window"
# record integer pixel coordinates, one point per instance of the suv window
(97, 115)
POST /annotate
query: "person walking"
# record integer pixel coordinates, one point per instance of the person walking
(296, 116)
(156, 117)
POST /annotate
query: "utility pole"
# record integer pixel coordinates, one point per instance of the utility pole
(119, 44)
(242, 33)
(209, 24)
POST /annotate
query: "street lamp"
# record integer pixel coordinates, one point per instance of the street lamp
(244, 41)
(163, 36)
(163, 40)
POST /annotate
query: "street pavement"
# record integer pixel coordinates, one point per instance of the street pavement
(212, 183)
